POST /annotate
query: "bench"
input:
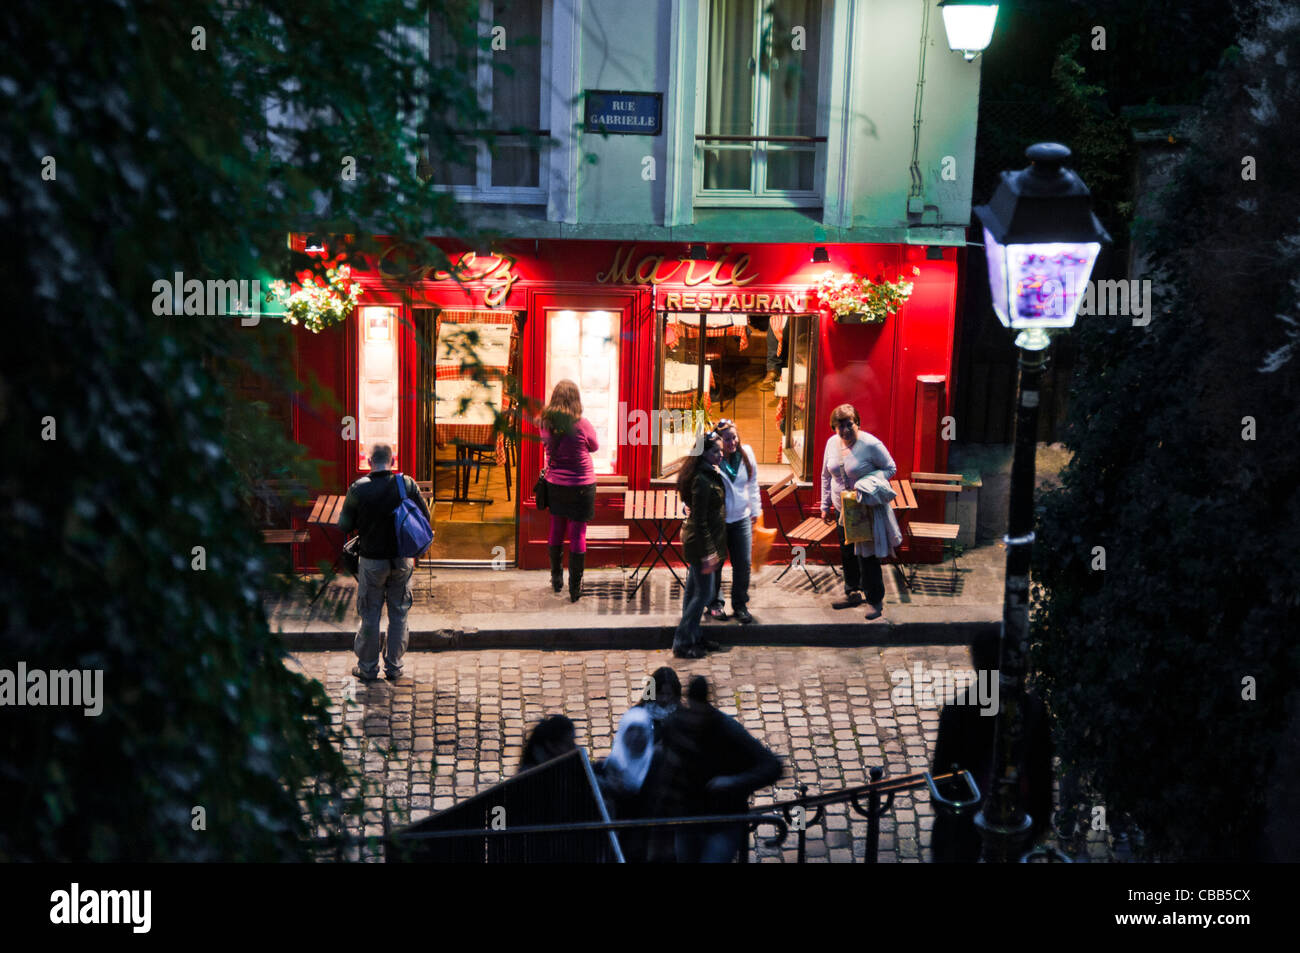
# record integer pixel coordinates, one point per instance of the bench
(608, 484)
(276, 502)
(810, 529)
(285, 537)
(944, 533)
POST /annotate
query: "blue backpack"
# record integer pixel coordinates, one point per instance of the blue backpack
(413, 531)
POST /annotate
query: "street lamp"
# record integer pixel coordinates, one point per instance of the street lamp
(1041, 239)
(969, 25)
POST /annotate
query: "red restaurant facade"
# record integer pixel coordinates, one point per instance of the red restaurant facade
(624, 320)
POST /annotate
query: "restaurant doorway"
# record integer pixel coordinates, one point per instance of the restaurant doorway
(464, 360)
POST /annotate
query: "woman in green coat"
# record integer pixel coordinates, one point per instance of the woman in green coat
(704, 538)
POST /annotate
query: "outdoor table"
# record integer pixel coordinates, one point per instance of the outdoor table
(326, 511)
(662, 508)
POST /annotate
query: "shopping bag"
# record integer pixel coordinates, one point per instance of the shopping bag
(761, 546)
(351, 558)
(856, 518)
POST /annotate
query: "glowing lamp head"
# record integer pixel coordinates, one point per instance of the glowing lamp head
(1041, 239)
(969, 25)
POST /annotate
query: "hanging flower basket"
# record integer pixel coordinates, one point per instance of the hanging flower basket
(853, 299)
(316, 306)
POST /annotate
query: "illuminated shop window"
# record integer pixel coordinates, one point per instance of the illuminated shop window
(740, 356)
(582, 346)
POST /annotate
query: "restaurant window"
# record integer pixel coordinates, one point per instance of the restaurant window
(582, 346)
(757, 370)
(760, 106)
(501, 160)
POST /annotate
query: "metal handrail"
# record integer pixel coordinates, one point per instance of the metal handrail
(501, 132)
(753, 820)
(711, 138)
(879, 793)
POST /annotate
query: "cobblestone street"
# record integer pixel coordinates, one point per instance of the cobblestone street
(455, 724)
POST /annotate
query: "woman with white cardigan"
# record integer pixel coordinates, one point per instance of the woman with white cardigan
(739, 472)
(852, 455)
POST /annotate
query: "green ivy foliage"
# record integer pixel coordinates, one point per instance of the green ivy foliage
(165, 159)
(1149, 663)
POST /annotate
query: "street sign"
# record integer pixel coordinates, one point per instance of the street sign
(621, 113)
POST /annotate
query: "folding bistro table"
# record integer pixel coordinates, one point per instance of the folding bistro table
(325, 514)
(662, 508)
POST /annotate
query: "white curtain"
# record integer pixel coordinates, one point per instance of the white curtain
(792, 91)
(517, 91)
(730, 106)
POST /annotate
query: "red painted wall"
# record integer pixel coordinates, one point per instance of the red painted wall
(874, 367)
(321, 403)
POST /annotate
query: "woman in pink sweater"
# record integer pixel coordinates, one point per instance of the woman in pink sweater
(569, 439)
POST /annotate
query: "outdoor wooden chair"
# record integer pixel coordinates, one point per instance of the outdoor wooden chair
(944, 533)
(608, 484)
(811, 530)
(277, 503)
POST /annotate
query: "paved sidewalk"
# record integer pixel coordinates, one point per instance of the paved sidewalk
(511, 608)
(456, 723)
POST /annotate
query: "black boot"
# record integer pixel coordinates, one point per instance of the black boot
(576, 563)
(557, 567)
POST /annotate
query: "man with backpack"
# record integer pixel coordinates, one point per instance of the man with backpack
(385, 509)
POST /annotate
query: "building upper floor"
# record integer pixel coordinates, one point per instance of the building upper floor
(713, 120)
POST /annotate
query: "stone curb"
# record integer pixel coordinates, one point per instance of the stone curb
(659, 636)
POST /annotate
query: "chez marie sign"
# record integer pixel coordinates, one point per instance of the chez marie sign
(777, 282)
(716, 285)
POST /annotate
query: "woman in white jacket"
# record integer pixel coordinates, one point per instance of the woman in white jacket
(851, 455)
(744, 506)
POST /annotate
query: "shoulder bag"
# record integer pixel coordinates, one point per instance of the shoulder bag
(541, 492)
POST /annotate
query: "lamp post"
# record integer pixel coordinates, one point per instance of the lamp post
(969, 25)
(1041, 239)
